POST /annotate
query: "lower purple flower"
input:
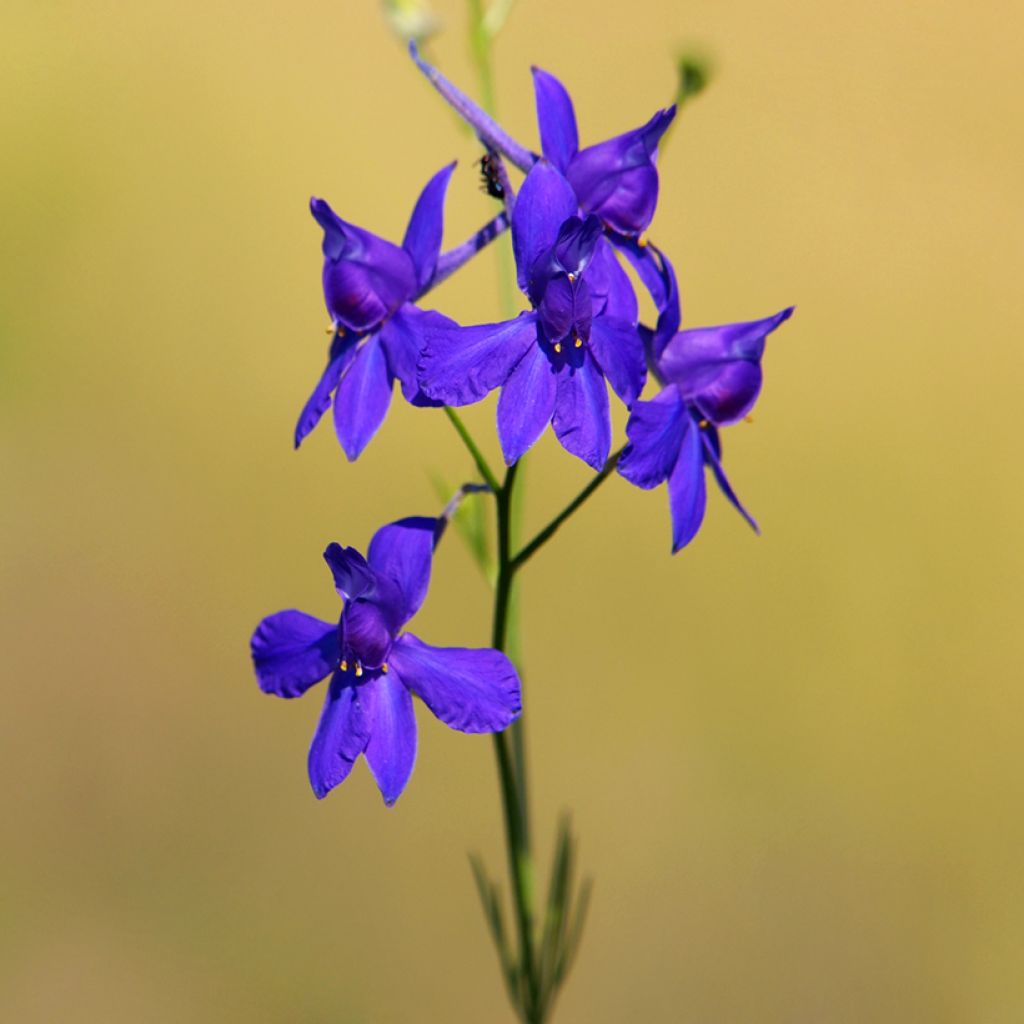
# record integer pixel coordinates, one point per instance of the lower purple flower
(375, 668)
(712, 378)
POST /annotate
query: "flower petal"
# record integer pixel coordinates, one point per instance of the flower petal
(655, 431)
(404, 337)
(659, 278)
(545, 202)
(581, 419)
(426, 226)
(526, 403)
(391, 751)
(362, 398)
(460, 365)
(470, 690)
(617, 179)
(619, 352)
(318, 403)
(291, 651)
(352, 576)
(341, 734)
(365, 277)
(486, 128)
(719, 368)
(713, 457)
(559, 140)
(610, 286)
(403, 553)
(687, 491)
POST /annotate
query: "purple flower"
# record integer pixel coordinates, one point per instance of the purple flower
(550, 363)
(712, 378)
(616, 180)
(370, 286)
(375, 668)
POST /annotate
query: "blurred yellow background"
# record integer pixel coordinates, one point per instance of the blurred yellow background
(795, 762)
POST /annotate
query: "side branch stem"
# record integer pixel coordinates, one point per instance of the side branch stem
(549, 531)
(471, 446)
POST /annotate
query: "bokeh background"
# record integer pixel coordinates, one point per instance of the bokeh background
(796, 762)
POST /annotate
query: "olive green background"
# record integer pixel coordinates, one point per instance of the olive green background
(795, 762)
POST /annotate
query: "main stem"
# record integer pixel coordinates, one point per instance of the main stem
(510, 768)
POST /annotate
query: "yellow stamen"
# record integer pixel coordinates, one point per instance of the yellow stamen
(359, 670)
(642, 241)
(343, 666)
(572, 277)
(558, 346)
(384, 669)
(702, 424)
(578, 343)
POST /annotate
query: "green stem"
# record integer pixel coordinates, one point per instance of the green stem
(509, 771)
(549, 531)
(478, 457)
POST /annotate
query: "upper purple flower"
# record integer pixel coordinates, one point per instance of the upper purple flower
(370, 286)
(712, 378)
(616, 180)
(375, 668)
(551, 363)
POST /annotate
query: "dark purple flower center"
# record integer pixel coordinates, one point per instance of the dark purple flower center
(365, 636)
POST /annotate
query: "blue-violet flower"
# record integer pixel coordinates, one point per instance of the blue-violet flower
(375, 668)
(370, 287)
(551, 362)
(712, 378)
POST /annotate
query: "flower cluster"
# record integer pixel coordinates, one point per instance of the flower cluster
(579, 215)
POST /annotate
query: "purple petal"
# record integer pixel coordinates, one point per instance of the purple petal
(352, 576)
(526, 403)
(362, 398)
(655, 431)
(320, 400)
(719, 368)
(341, 735)
(403, 552)
(712, 455)
(581, 418)
(559, 140)
(426, 226)
(365, 277)
(391, 752)
(610, 286)
(575, 245)
(291, 651)
(404, 337)
(461, 365)
(470, 690)
(687, 492)
(617, 179)
(659, 278)
(619, 352)
(546, 201)
(486, 128)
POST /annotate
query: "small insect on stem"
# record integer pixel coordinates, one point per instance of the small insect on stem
(490, 179)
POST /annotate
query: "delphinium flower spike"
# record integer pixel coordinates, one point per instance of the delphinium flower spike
(551, 362)
(370, 288)
(712, 378)
(375, 668)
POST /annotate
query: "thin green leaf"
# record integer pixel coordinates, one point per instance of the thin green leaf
(490, 899)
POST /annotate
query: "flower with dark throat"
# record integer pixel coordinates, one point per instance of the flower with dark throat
(370, 287)
(551, 362)
(712, 378)
(375, 668)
